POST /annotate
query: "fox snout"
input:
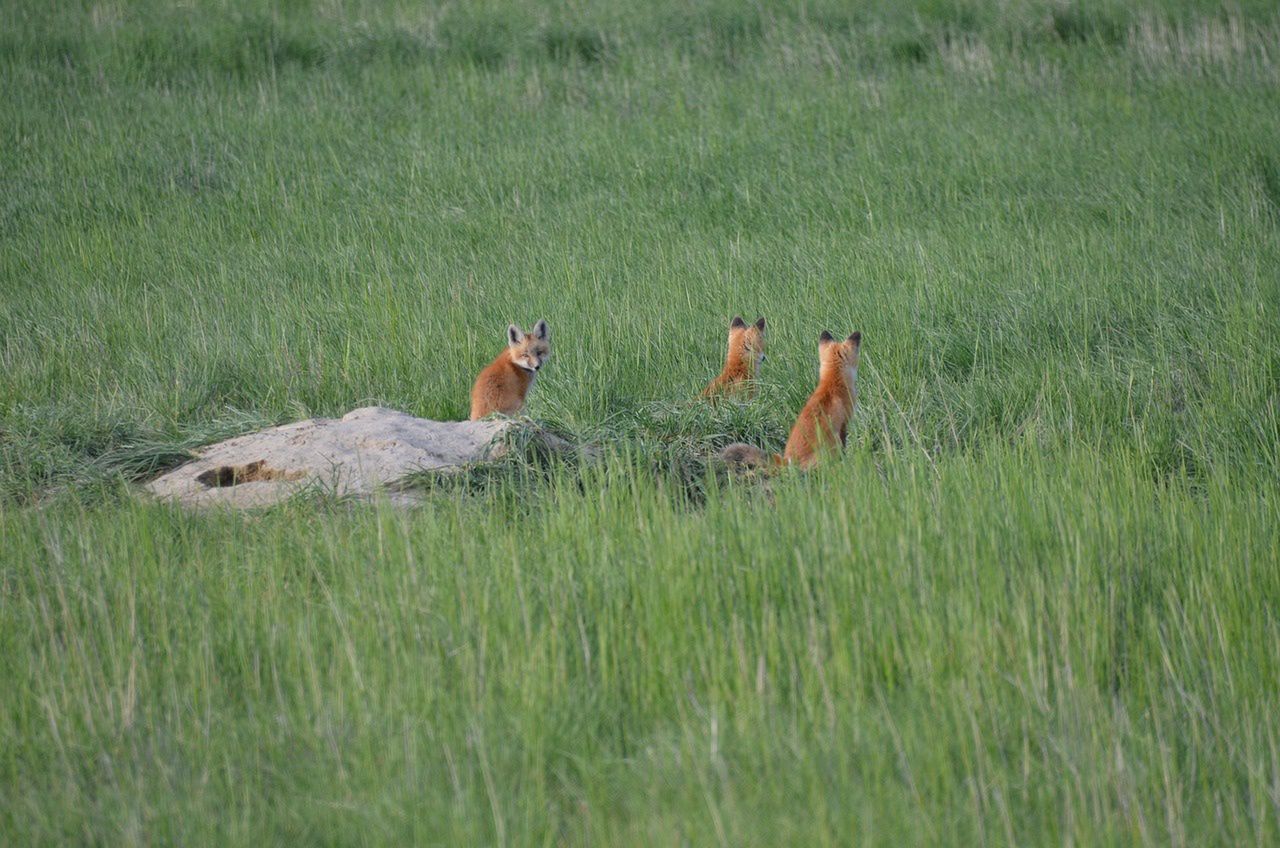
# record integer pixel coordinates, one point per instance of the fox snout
(528, 363)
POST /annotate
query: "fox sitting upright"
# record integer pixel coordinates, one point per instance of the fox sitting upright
(746, 352)
(503, 385)
(823, 424)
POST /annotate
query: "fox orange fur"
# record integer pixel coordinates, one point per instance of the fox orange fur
(742, 362)
(823, 424)
(503, 385)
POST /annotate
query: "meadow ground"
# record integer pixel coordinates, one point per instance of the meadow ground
(1035, 603)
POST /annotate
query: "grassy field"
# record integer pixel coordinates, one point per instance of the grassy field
(1035, 603)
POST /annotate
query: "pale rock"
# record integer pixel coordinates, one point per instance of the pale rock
(366, 452)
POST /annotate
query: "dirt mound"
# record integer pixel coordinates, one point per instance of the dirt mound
(366, 451)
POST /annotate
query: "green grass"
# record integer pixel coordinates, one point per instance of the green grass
(1034, 603)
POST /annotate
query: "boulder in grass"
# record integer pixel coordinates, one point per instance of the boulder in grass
(366, 451)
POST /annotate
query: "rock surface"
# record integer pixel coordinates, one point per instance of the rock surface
(366, 451)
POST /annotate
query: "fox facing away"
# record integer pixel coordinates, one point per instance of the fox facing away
(746, 352)
(823, 423)
(503, 385)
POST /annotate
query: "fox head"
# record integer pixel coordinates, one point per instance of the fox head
(746, 341)
(529, 350)
(841, 356)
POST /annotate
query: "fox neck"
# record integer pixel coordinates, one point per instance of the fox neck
(520, 371)
(740, 362)
(738, 367)
(847, 375)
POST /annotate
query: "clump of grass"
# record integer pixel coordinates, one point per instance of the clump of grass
(1075, 24)
(672, 445)
(567, 45)
(911, 51)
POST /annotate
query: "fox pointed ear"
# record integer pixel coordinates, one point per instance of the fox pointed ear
(514, 335)
(737, 323)
(825, 339)
(760, 324)
(855, 338)
(541, 330)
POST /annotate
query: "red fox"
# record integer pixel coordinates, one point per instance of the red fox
(824, 418)
(504, 383)
(746, 352)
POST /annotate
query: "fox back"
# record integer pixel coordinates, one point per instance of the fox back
(823, 423)
(742, 362)
(504, 384)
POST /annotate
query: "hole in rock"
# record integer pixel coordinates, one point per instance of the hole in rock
(233, 475)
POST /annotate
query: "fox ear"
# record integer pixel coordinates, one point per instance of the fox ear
(825, 339)
(737, 323)
(514, 336)
(855, 338)
(541, 330)
(760, 324)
